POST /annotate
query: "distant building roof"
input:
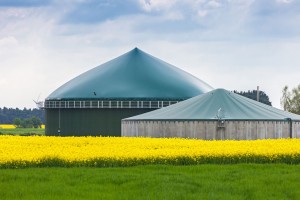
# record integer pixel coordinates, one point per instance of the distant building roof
(218, 104)
(133, 75)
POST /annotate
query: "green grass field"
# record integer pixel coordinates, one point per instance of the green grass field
(23, 131)
(242, 181)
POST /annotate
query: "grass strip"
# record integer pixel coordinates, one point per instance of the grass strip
(23, 131)
(241, 181)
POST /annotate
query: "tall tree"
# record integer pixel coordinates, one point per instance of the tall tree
(36, 122)
(290, 100)
(17, 122)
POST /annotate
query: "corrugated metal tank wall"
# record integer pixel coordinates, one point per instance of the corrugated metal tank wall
(210, 130)
(85, 122)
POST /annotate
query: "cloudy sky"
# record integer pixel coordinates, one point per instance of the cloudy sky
(231, 44)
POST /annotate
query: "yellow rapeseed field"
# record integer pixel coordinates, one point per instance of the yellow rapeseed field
(12, 126)
(7, 126)
(38, 151)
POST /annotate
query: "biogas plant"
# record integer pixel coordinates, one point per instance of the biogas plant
(152, 98)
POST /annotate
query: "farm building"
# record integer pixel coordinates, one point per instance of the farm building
(95, 102)
(218, 114)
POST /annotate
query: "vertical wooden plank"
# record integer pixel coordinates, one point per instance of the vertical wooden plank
(174, 130)
(253, 130)
(227, 130)
(234, 133)
(200, 130)
(211, 130)
(164, 128)
(297, 129)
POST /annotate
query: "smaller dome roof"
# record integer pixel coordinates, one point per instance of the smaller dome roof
(134, 75)
(218, 104)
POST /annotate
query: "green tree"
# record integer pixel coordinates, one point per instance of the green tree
(36, 122)
(17, 122)
(290, 100)
(27, 123)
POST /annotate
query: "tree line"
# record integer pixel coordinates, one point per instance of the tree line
(8, 115)
(263, 97)
(32, 122)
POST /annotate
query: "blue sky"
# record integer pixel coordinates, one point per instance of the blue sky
(231, 44)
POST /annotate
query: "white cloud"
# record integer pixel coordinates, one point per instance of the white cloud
(174, 15)
(214, 4)
(157, 5)
(202, 13)
(8, 41)
(285, 1)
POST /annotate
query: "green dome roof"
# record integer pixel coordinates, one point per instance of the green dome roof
(133, 75)
(218, 104)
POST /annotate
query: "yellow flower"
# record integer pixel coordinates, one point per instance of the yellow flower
(18, 151)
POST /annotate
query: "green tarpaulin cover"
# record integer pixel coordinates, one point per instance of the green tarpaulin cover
(134, 75)
(218, 104)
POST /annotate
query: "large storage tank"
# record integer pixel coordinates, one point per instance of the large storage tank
(95, 102)
(218, 114)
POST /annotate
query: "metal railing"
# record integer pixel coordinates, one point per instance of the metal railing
(106, 104)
